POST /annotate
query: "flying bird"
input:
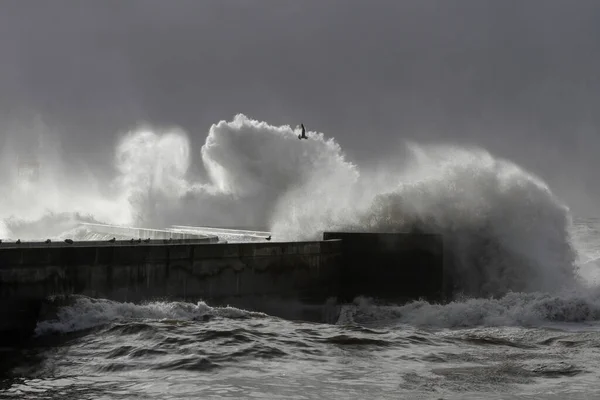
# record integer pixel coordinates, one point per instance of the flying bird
(303, 135)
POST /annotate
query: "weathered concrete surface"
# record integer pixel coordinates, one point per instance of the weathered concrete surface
(391, 266)
(144, 233)
(95, 243)
(134, 272)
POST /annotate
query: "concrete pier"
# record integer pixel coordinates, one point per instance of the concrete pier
(395, 267)
(303, 271)
(391, 266)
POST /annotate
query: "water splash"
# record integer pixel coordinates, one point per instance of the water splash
(504, 229)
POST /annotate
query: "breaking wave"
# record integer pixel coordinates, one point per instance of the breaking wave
(514, 309)
(85, 313)
(505, 231)
(503, 228)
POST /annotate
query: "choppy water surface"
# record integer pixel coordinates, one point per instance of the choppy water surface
(252, 356)
(535, 345)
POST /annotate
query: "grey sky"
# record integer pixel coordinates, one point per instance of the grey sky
(520, 78)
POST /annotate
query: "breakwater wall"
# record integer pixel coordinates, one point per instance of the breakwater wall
(391, 266)
(124, 271)
(342, 266)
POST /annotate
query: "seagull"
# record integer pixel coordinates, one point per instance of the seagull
(47, 241)
(68, 241)
(269, 238)
(303, 135)
(113, 240)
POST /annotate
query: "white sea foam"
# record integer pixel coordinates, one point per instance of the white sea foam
(513, 309)
(84, 313)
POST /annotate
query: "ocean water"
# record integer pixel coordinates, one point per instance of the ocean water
(524, 322)
(522, 345)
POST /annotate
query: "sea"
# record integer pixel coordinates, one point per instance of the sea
(524, 322)
(522, 345)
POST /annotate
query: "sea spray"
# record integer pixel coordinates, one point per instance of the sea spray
(38, 186)
(152, 168)
(250, 166)
(504, 230)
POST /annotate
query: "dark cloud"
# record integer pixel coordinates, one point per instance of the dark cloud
(519, 78)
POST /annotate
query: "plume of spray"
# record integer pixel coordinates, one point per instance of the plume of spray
(503, 228)
(249, 165)
(152, 170)
(42, 196)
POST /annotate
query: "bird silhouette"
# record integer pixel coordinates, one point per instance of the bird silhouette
(303, 135)
(68, 241)
(113, 240)
(268, 238)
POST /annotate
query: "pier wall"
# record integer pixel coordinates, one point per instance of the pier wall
(392, 266)
(128, 272)
(395, 267)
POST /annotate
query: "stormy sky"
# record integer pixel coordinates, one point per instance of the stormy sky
(520, 78)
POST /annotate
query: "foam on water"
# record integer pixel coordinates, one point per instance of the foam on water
(85, 313)
(514, 309)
